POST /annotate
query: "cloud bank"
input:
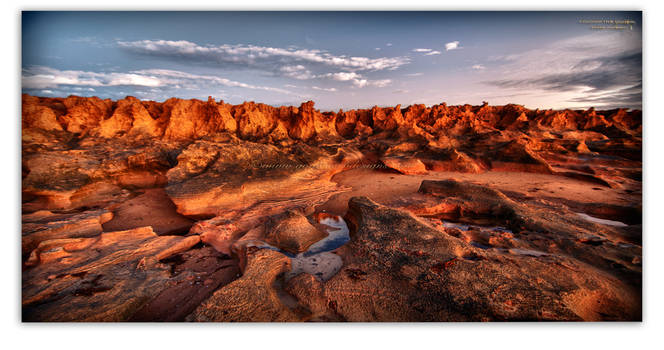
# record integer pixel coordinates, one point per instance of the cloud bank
(40, 77)
(600, 69)
(300, 64)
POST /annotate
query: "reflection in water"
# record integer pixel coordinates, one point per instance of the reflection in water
(337, 236)
(467, 227)
(602, 221)
(322, 265)
(318, 260)
(528, 252)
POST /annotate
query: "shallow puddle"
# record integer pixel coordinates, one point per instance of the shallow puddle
(318, 260)
(323, 265)
(464, 226)
(602, 221)
(338, 235)
(527, 252)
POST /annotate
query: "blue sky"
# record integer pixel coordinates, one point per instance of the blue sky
(338, 59)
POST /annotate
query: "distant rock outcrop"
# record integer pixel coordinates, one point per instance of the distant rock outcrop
(177, 119)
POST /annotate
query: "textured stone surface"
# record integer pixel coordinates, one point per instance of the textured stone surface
(151, 208)
(294, 233)
(252, 297)
(44, 225)
(150, 211)
(408, 166)
(398, 268)
(104, 278)
(205, 271)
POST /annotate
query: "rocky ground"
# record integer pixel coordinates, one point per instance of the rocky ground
(193, 210)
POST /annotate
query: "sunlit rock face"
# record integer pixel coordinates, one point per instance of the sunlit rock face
(190, 210)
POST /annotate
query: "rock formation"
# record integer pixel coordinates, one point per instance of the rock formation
(205, 211)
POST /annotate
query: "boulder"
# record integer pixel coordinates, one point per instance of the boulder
(407, 166)
(252, 297)
(294, 233)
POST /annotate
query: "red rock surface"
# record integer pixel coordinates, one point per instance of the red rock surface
(146, 211)
(400, 268)
(250, 298)
(294, 233)
(102, 278)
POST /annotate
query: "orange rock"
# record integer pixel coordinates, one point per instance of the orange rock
(178, 119)
(151, 208)
(104, 278)
(221, 237)
(190, 119)
(38, 116)
(408, 166)
(130, 118)
(303, 122)
(84, 113)
(251, 298)
(45, 225)
(510, 252)
(294, 233)
(253, 121)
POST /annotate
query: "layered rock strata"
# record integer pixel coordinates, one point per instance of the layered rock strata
(202, 211)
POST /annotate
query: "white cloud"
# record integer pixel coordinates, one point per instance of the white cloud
(298, 72)
(376, 83)
(427, 52)
(381, 83)
(259, 57)
(324, 89)
(290, 62)
(45, 77)
(452, 46)
(357, 79)
(511, 57)
(478, 67)
(177, 77)
(574, 69)
(414, 74)
(342, 76)
(388, 44)
(378, 49)
(50, 92)
(360, 82)
(574, 55)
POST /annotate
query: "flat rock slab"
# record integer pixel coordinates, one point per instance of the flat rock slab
(408, 166)
(209, 270)
(44, 225)
(105, 278)
(151, 208)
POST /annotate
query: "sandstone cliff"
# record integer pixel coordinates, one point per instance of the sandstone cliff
(177, 119)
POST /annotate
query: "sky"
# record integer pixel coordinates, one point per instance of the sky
(340, 60)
